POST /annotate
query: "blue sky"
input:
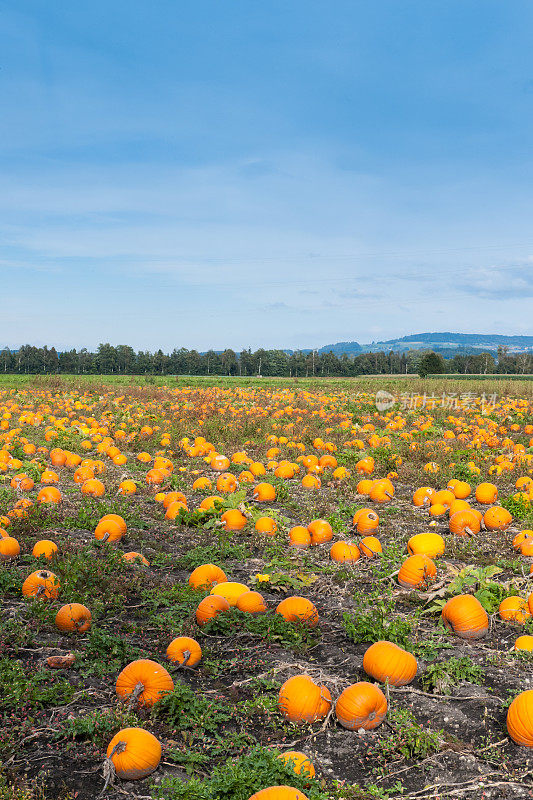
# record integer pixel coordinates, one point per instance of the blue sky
(292, 174)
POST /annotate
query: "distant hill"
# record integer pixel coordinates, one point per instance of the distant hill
(447, 343)
(351, 348)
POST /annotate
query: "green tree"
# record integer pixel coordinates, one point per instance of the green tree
(430, 364)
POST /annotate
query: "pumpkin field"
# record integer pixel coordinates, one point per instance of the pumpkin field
(274, 590)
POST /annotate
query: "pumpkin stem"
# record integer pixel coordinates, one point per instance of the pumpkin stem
(40, 590)
(186, 657)
(469, 531)
(105, 537)
(134, 696)
(109, 768)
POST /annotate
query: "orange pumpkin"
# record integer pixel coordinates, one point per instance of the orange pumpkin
(233, 520)
(73, 618)
(251, 603)
(365, 520)
(486, 493)
(298, 609)
(362, 705)
(514, 609)
(520, 719)
(147, 680)
(464, 522)
(210, 607)
(301, 700)
(417, 572)
(41, 584)
(184, 651)
(321, 531)
(44, 549)
(497, 518)
(134, 752)
(370, 546)
(385, 661)
(264, 493)
(206, 576)
(299, 537)
(466, 617)
(345, 552)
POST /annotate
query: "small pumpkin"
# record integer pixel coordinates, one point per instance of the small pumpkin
(524, 643)
(44, 549)
(266, 525)
(136, 558)
(345, 552)
(210, 607)
(321, 531)
(299, 537)
(486, 493)
(251, 603)
(298, 609)
(233, 520)
(370, 546)
(185, 651)
(382, 491)
(497, 518)
(300, 763)
(109, 530)
(73, 618)
(264, 493)
(365, 520)
(279, 793)
(423, 495)
(464, 523)
(93, 487)
(49, 495)
(41, 584)
(9, 548)
(514, 609)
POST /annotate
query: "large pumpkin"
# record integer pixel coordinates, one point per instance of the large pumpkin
(385, 661)
(301, 700)
(279, 793)
(146, 679)
(520, 719)
(362, 705)
(135, 753)
(206, 575)
(230, 591)
(466, 617)
(427, 544)
(417, 572)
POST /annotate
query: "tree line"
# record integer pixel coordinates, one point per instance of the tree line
(123, 360)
